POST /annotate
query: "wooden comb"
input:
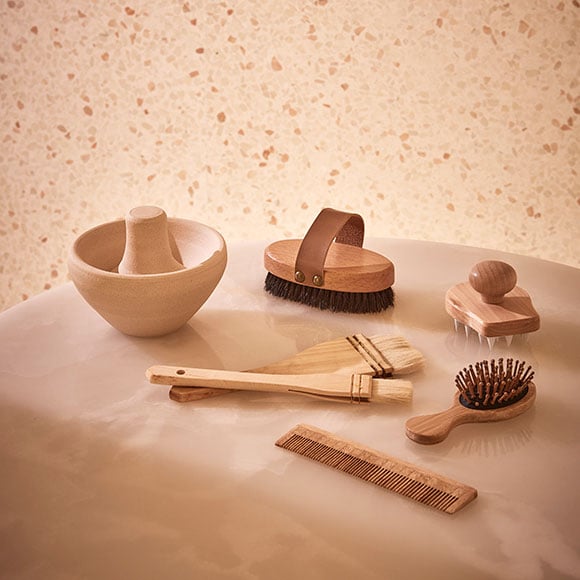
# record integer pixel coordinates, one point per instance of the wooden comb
(378, 356)
(375, 467)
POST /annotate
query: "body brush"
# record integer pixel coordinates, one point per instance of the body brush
(340, 276)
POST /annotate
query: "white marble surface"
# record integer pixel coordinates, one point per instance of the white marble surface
(104, 477)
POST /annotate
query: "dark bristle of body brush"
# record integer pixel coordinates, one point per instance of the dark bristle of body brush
(333, 300)
(493, 384)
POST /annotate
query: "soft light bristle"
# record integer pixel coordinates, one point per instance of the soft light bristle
(333, 300)
(492, 385)
(392, 391)
(402, 358)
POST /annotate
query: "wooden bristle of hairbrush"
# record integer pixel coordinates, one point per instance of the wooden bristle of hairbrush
(487, 391)
(370, 465)
(378, 356)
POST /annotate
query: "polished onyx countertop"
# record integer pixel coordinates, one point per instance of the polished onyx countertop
(103, 476)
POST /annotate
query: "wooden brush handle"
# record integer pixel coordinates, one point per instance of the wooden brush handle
(321, 385)
(493, 280)
(429, 429)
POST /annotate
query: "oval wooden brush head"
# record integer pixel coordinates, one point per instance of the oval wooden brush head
(329, 269)
(488, 391)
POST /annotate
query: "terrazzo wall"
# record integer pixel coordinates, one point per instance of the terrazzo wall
(454, 121)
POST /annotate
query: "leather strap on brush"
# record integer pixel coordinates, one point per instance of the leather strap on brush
(329, 225)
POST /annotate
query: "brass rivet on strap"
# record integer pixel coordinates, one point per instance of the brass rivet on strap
(299, 276)
(317, 280)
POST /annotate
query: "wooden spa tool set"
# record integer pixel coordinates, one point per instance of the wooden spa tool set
(489, 391)
(147, 275)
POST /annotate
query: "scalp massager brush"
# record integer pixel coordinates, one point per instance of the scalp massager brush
(491, 304)
(490, 391)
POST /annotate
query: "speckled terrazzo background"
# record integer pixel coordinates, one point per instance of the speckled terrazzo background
(454, 121)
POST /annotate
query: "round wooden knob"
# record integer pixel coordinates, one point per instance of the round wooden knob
(147, 245)
(492, 279)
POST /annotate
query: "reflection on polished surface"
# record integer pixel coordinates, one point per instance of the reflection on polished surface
(103, 476)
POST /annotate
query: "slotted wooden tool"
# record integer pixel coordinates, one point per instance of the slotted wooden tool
(378, 356)
(404, 478)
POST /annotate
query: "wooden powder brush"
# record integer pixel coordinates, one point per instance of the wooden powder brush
(355, 388)
(379, 356)
(491, 304)
(488, 391)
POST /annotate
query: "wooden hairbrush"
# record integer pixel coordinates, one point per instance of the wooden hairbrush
(488, 391)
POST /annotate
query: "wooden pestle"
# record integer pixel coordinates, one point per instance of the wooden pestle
(148, 247)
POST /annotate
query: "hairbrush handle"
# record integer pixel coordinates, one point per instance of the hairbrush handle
(355, 387)
(430, 429)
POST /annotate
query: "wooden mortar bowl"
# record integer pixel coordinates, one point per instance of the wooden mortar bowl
(147, 304)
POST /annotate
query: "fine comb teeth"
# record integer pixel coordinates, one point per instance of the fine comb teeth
(375, 467)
